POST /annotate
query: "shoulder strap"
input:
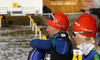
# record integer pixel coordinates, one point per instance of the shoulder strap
(97, 57)
(53, 43)
(90, 55)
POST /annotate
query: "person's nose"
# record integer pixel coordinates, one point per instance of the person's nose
(47, 29)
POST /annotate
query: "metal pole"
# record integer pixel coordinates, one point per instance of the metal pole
(36, 30)
(40, 34)
(33, 26)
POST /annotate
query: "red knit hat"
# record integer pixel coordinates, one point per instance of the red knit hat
(85, 25)
(59, 21)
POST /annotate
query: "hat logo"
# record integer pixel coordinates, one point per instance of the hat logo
(77, 24)
(86, 29)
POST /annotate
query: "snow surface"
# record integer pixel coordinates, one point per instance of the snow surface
(15, 47)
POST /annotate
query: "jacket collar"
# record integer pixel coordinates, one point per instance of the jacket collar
(54, 36)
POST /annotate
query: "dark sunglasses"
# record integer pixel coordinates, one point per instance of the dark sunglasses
(74, 34)
(53, 18)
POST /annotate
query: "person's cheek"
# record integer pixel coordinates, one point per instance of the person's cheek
(73, 37)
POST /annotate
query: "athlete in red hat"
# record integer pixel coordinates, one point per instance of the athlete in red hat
(59, 46)
(84, 31)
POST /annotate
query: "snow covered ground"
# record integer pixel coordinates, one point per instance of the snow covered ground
(15, 46)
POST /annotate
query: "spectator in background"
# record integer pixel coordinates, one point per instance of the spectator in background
(59, 46)
(84, 31)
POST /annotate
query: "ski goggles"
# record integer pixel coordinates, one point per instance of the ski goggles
(53, 18)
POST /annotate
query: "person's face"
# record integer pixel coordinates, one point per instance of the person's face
(77, 39)
(52, 30)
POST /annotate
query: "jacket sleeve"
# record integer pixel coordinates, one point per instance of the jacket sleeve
(41, 44)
